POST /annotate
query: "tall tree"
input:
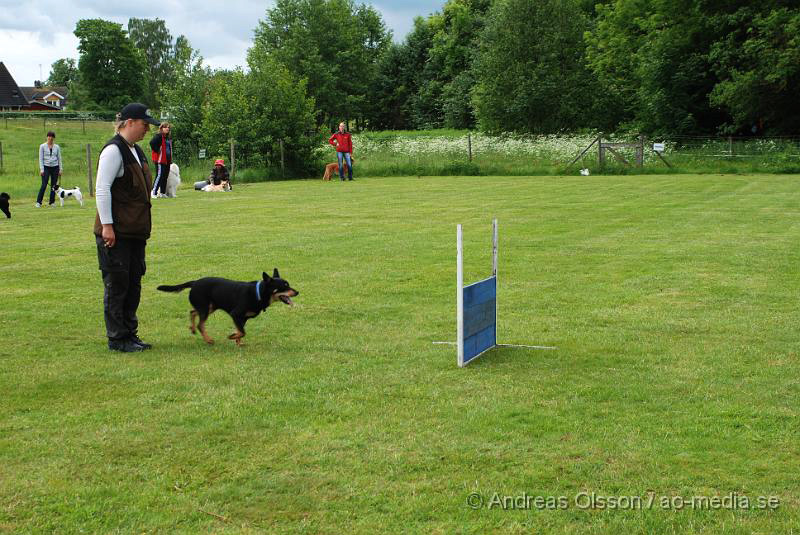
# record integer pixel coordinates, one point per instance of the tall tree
(185, 95)
(390, 91)
(62, 73)
(154, 41)
(259, 109)
(652, 59)
(530, 68)
(448, 71)
(111, 69)
(759, 67)
(332, 44)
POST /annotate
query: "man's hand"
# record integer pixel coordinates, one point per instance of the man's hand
(108, 235)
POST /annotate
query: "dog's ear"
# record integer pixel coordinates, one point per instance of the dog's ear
(266, 277)
(275, 274)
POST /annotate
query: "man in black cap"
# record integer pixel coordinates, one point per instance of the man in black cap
(122, 225)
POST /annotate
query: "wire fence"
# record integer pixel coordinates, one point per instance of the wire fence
(82, 136)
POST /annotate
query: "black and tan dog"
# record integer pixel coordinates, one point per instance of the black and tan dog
(241, 300)
(4, 206)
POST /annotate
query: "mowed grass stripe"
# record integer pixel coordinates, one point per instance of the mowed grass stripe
(672, 301)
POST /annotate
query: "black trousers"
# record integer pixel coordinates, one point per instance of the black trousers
(160, 182)
(123, 267)
(51, 174)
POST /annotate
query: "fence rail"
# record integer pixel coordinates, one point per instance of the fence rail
(405, 153)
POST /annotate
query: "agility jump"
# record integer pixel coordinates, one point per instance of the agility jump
(476, 309)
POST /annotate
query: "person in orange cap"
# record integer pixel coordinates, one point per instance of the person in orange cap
(219, 174)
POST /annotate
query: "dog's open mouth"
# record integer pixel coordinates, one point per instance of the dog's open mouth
(286, 300)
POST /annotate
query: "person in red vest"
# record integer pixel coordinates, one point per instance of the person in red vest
(343, 144)
(161, 145)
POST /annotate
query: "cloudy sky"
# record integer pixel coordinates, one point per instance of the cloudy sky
(35, 34)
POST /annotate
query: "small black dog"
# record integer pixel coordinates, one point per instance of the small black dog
(4, 198)
(241, 300)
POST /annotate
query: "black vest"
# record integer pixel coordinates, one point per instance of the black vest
(130, 195)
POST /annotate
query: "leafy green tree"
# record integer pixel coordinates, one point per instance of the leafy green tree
(183, 99)
(612, 47)
(183, 57)
(112, 71)
(529, 69)
(62, 73)
(390, 91)
(332, 44)
(154, 41)
(259, 109)
(448, 70)
(412, 59)
(759, 66)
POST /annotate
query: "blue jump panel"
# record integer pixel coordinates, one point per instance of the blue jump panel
(480, 316)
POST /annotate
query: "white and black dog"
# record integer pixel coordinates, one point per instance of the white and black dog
(173, 180)
(61, 193)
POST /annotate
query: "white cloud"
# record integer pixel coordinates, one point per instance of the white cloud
(25, 51)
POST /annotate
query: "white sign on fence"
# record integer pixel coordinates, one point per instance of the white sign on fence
(658, 147)
(202, 154)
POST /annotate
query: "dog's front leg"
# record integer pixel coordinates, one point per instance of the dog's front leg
(238, 334)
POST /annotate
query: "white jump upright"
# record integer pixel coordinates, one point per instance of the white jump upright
(476, 308)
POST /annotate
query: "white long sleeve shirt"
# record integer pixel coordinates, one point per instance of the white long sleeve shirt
(49, 156)
(109, 168)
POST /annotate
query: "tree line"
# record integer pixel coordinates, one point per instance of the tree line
(660, 67)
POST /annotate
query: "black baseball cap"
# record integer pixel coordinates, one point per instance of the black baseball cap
(135, 110)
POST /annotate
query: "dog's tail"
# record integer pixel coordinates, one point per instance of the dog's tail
(176, 288)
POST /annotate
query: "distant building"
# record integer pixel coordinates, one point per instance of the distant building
(48, 97)
(38, 98)
(11, 96)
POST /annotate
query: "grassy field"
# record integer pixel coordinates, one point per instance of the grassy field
(672, 301)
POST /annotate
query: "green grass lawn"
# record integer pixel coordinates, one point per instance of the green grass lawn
(672, 300)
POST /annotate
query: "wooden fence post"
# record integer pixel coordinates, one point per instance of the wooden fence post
(283, 169)
(601, 151)
(233, 160)
(640, 152)
(89, 167)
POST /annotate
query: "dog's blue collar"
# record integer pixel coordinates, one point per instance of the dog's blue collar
(258, 290)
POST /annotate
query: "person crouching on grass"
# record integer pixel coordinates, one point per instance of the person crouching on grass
(219, 174)
(161, 147)
(122, 226)
(343, 144)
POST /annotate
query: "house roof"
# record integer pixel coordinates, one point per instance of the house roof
(40, 93)
(10, 93)
(39, 105)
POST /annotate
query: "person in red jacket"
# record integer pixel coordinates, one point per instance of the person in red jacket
(161, 147)
(343, 144)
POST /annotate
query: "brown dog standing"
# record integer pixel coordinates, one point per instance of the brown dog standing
(332, 169)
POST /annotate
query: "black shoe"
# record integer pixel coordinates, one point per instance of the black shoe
(350, 178)
(138, 341)
(125, 346)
